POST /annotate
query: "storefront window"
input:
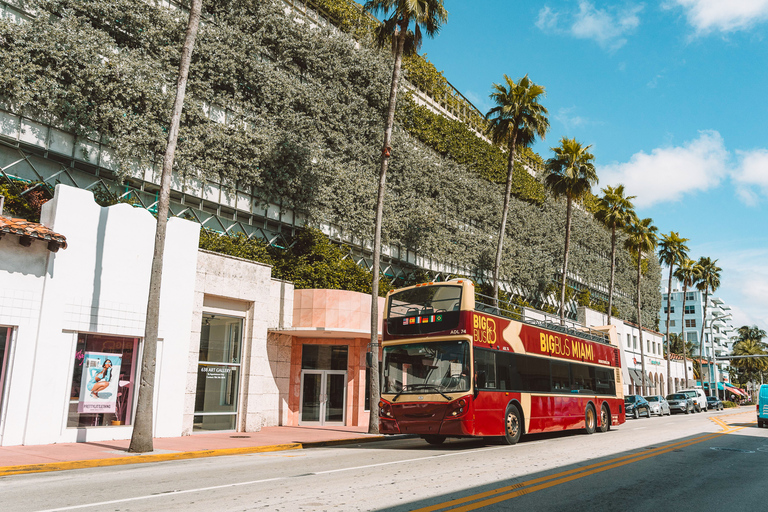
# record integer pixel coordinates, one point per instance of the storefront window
(102, 381)
(218, 373)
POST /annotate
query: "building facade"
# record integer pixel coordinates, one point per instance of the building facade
(237, 350)
(657, 379)
(717, 326)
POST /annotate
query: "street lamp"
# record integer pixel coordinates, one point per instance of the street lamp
(712, 354)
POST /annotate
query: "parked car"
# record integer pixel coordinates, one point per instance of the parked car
(659, 405)
(698, 397)
(634, 405)
(762, 406)
(680, 402)
(714, 403)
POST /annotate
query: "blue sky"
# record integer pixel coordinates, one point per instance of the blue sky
(672, 96)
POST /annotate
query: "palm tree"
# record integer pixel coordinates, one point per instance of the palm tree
(614, 212)
(750, 333)
(688, 272)
(141, 439)
(641, 239)
(708, 280)
(571, 174)
(427, 15)
(515, 122)
(750, 367)
(672, 251)
(678, 345)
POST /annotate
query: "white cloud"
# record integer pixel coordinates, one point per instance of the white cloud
(722, 15)
(547, 19)
(570, 119)
(667, 174)
(751, 177)
(654, 82)
(608, 27)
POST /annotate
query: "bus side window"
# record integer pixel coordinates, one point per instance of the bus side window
(506, 372)
(561, 380)
(583, 378)
(485, 366)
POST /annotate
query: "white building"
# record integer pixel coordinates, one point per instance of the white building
(717, 326)
(628, 339)
(67, 312)
(237, 349)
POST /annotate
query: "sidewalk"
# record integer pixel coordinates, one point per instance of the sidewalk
(16, 460)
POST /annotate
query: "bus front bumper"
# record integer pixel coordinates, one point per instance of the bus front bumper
(458, 427)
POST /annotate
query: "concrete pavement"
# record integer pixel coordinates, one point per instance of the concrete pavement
(16, 460)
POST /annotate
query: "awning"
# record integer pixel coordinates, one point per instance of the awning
(735, 391)
(720, 386)
(637, 377)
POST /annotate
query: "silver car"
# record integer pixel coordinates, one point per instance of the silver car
(659, 405)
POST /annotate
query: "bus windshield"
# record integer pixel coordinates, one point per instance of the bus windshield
(441, 367)
(425, 309)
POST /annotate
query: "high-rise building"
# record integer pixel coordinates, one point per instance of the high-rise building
(718, 328)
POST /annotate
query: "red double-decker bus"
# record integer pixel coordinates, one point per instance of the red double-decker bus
(453, 366)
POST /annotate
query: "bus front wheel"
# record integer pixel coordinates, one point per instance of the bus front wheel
(513, 424)
(590, 420)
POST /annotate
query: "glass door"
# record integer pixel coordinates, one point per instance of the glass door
(323, 397)
(218, 373)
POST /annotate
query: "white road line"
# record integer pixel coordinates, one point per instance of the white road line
(253, 482)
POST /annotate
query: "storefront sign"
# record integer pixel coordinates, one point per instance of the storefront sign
(98, 385)
(216, 372)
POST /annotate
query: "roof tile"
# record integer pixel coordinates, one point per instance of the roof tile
(35, 230)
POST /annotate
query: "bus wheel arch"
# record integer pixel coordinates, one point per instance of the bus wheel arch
(590, 418)
(514, 422)
(605, 417)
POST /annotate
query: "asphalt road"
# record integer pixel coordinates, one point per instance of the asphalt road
(701, 462)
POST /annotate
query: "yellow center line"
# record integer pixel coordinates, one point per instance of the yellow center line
(529, 486)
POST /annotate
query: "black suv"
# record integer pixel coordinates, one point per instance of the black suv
(634, 405)
(714, 403)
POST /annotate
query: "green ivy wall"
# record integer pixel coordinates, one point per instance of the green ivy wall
(305, 118)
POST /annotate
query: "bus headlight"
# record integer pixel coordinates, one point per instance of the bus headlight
(385, 410)
(458, 407)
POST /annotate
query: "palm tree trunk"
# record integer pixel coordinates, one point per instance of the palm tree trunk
(504, 213)
(640, 320)
(613, 272)
(373, 422)
(682, 336)
(565, 258)
(669, 360)
(141, 439)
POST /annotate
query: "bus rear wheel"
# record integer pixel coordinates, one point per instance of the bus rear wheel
(513, 425)
(590, 420)
(605, 419)
(433, 439)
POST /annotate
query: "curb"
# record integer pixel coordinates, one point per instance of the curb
(162, 457)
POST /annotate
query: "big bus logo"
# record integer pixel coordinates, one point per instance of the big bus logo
(566, 347)
(484, 330)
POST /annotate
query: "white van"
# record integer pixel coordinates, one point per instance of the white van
(698, 396)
